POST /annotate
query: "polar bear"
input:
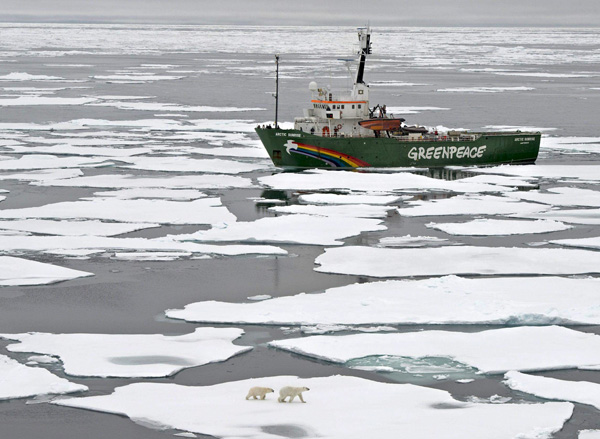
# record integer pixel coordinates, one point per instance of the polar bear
(292, 392)
(255, 392)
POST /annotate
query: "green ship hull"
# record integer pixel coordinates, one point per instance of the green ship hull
(299, 149)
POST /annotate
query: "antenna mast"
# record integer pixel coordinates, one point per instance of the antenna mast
(276, 87)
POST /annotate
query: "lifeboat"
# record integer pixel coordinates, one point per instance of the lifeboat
(382, 124)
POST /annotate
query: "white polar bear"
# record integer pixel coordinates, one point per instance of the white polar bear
(292, 392)
(255, 392)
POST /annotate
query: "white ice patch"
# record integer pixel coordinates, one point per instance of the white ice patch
(28, 162)
(137, 355)
(43, 359)
(492, 227)
(589, 434)
(483, 89)
(148, 193)
(293, 229)
(157, 106)
(582, 392)
(233, 151)
(561, 196)
(187, 164)
(201, 211)
(571, 144)
(18, 271)
(393, 84)
(577, 216)
(132, 79)
(448, 300)
(526, 348)
(386, 262)
(412, 110)
(43, 176)
(20, 381)
(22, 76)
(554, 172)
(65, 149)
(501, 180)
(321, 180)
(412, 241)
(43, 100)
(323, 199)
(469, 205)
(418, 411)
(589, 243)
(73, 228)
(151, 256)
(342, 210)
(118, 181)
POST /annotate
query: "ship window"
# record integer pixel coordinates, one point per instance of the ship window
(359, 106)
(342, 107)
(277, 154)
(329, 116)
(353, 106)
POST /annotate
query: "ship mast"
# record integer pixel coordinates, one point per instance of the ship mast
(276, 87)
(364, 49)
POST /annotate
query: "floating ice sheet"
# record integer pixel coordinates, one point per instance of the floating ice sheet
(492, 227)
(320, 180)
(20, 381)
(583, 392)
(591, 243)
(386, 410)
(469, 205)
(412, 241)
(137, 355)
(207, 181)
(201, 211)
(167, 194)
(343, 210)
(589, 434)
(43, 100)
(22, 76)
(483, 89)
(73, 228)
(386, 262)
(562, 196)
(157, 106)
(350, 199)
(234, 151)
(46, 162)
(571, 144)
(525, 348)
(293, 229)
(18, 271)
(187, 164)
(69, 244)
(446, 300)
(555, 172)
(576, 216)
(43, 175)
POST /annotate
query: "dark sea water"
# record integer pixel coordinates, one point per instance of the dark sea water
(233, 67)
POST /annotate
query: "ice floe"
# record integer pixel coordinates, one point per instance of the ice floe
(469, 205)
(65, 149)
(133, 79)
(293, 229)
(554, 172)
(43, 100)
(20, 381)
(412, 241)
(571, 144)
(525, 348)
(22, 76)
(386, 410)
(321, 180)
(590, 243)
(589, 434)
(151, 256)
(167, 194)
(27, 162)
(561, 196)
(42, 176)
(200, 211)
(575, 216)
(350, 199)
(19, 271)
(387, 262)
(483, 89)
(582, 392)
(446, 300)
(157, 106)
(233, 151)
(187, 164)
(72, 245)
(131, 355)
(73, 228)
(344, 210)
(119, 181)
(493, 227)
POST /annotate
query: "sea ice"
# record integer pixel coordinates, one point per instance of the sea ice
(589, 243)
(21, 76)
(157, 106)
(343, 210)
(118, 181)
(73, 228)
(484, 89)
(147, 193)
(201, 211)
(293, 229)
(412, 241)
(561, 196)
(187, 164)
(320, 180)
(447, 300)
(323, 199)
(492, 227)
(66, 149)
(131, 355)
(576, 216)
(18, 271)
(20, 381)
(27, 162)
(589, 434)
(554, 172)
(43, 100)
(469, 205)
(435, 261)
(571, 144)
(386, 410)
(583, 392)
(524, 348)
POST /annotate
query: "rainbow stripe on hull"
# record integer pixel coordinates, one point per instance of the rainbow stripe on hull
(333, 158)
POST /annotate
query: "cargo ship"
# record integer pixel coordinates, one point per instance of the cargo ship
(345, 132)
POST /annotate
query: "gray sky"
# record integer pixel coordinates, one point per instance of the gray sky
(309, 12)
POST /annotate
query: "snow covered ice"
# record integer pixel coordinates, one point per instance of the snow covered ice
(137, 355)
(446, 300)
(491, 227)
(19, 271)
(386, 410)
